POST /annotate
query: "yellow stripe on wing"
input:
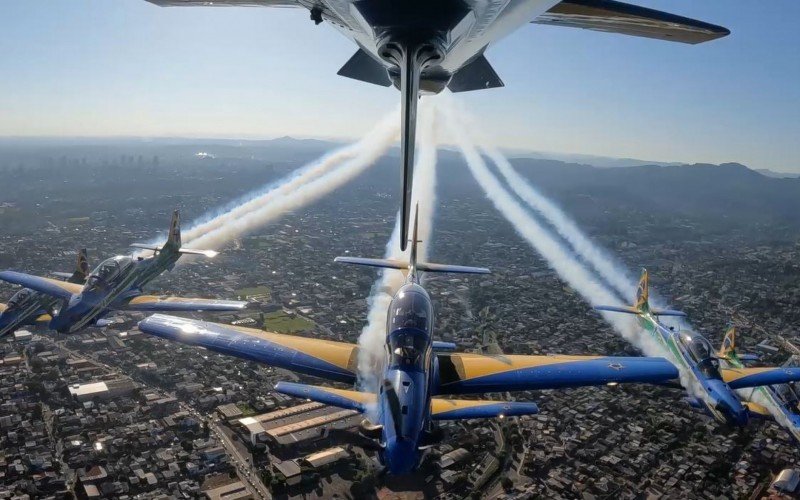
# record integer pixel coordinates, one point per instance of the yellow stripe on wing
(44, 318)
(471, 366)
(439, 406)
(731, 374)
(3, 307)
(66, 285)
(364, 398)
(340, 354)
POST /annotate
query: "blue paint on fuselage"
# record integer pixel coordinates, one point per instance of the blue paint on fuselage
(113, 281)
(720, 400)
(404, 397)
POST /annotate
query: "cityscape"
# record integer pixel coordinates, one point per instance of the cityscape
(112, 412)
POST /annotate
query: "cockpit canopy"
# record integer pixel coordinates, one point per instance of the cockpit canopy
(407, 349)
(702, 353)
(20, 298)
(410, 309)
(108, 271)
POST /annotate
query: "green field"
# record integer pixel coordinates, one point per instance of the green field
(255, 291)
(279, 321)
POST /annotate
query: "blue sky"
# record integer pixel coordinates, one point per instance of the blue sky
(99, 68)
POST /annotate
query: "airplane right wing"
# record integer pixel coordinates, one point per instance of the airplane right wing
(741, 378)
(626, 19)
(3, 307)
(321, 358)
(467, 373)
(54, 288)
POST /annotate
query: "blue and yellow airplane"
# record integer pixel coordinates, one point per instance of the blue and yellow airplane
(772, 401)
(417, 373)
(116, 285)
(29, 307)
(710, 387)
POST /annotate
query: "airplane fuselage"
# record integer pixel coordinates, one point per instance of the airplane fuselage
(115, 279)
(692, 354)
(404, 392)
(24, 308)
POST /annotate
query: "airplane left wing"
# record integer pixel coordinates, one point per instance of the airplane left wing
(351, 400)
(321, 358)
(626, 19)
(465, 373)
(164, 303)
(54, 288)
(3, 307)
(740, 378)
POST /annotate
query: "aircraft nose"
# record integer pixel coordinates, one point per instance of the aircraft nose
(728, 403)
(400, 456)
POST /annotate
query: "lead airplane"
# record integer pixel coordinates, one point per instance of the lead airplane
(29, 307)
(416, 374)
(424, 46)
(710, 385)
(116, 285)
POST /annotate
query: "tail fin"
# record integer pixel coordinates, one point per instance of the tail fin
(728, 347)
(81, 268)
(412, 266)
(174, 241)
(642, 305)
(729, 351)
(174, 236)
(643, 293)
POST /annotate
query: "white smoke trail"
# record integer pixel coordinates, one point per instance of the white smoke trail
(606, 266)
(372, 340)
(560, 259)
(302, 190)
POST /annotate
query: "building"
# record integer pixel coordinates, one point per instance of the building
(325, 458)
(233, 491)
(103, 390)
(22, 336)
(229, 411)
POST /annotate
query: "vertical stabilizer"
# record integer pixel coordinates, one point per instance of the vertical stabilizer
(412, 258)
(81, 268)
(174, 237)
(728, 348)
(643, 293)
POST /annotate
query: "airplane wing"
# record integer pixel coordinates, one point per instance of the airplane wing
(225, 3)
(54, 288)
(618, 17)
(352, 400)
(3, 307)
(441, 409)
(740, 378)
(165, 303)
(466, 373)
(458, 409)
(320, 358)
(43, 318)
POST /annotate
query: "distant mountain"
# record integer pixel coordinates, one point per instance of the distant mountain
(777, 175)
(593, 160)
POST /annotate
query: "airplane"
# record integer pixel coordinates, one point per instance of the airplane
(29, 307)
(711, 387)
(770, 400)
(423, 47)
(116, 285)
(416, 374)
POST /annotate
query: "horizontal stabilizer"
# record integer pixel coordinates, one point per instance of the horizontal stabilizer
(740, 378)
(438, 345)
(365, 68)
(667, 312)
(174, 304)
(458, 409)
(47, 286)
(421, 266)
(446, 268)
(351, 400)
(622, 18)
(622, 309)
(477, 75)
(188, 251)
(383, 263)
